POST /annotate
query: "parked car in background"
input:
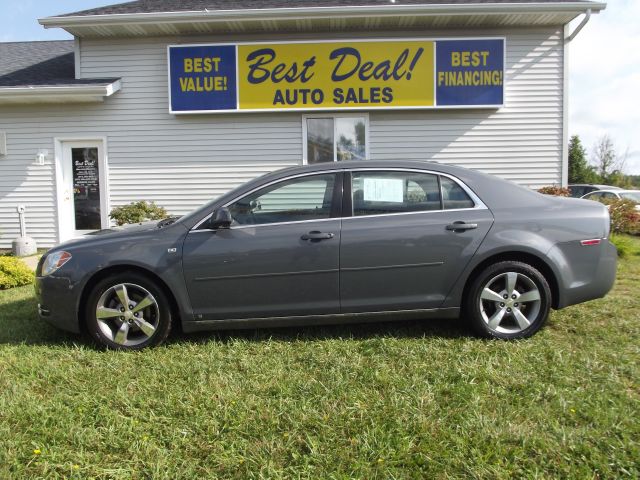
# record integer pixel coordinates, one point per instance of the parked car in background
(579, 190)
(617, 194)
(337, 242)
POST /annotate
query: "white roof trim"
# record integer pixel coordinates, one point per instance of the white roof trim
(58, 93)
(319, 12)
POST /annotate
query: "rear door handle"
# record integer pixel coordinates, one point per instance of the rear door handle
(315, 235)
(461, 226)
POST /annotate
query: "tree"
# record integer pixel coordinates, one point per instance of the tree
(634, 180)
(579, 169)
(609, 165)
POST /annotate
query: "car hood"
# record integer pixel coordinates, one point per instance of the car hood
(113, 232)
(131, 228)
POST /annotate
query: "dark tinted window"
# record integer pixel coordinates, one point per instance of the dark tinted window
(578, 191)
(304, 198)
(376, 193)
(454, 196)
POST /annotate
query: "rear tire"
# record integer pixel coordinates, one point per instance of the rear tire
(508, 300)
(128, 311)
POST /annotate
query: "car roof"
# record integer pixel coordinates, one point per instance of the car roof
(352, 164)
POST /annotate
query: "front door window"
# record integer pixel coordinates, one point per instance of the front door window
(82, 206)
(86, 188)
(300, 199)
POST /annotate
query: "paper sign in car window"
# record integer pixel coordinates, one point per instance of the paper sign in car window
(383, 190)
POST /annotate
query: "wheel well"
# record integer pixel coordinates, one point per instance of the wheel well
(524, 257)
(100, 275)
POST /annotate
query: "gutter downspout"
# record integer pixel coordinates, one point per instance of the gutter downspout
(585, 20)
(564, 175)
(565, 109)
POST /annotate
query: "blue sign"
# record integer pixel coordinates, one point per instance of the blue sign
(470, 72)
(203, 78)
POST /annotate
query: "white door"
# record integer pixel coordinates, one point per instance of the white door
(81, 189)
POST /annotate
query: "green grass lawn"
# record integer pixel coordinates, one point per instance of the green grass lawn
(393, 400)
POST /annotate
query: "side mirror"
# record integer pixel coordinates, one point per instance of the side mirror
(220, 219)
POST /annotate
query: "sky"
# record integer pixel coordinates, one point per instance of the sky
(604, 67)
(604, 81)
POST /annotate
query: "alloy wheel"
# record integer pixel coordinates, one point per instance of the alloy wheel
(510, 303)
(127, 314)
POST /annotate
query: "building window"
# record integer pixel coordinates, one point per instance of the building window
(333, 138)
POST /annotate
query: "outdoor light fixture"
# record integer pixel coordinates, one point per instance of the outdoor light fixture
(41, 156)
(3, 143)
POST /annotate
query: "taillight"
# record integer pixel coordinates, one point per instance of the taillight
(588, 243)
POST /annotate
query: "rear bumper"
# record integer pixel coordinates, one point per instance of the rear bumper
(588, 272)
(57, 303)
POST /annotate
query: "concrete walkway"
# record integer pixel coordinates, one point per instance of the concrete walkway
(32, 261)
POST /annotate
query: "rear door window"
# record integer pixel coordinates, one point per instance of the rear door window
(384, 192)
(453, 195)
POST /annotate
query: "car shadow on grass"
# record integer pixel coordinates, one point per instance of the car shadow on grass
(435, 328)
(20, 325)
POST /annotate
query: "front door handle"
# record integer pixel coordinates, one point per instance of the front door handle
(461, 226)
(315, 235)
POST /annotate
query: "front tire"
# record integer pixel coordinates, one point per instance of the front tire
(128, 311)
(508, 300)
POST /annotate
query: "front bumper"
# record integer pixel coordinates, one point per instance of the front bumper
(57, 302)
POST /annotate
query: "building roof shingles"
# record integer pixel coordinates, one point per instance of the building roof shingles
(41, 64)
(158, 6)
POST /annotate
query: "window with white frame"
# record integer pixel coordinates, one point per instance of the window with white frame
(333, 138)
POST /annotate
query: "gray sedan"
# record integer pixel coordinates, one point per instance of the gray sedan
(332, 243)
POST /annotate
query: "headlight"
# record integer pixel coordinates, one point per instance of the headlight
(54, 261)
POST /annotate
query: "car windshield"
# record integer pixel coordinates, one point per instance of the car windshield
(635, 196)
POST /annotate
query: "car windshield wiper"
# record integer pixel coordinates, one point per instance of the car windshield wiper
(167, 221)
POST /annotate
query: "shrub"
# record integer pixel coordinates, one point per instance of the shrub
(137, 212)
(625, 245)
(624, 216)
(555, 191)
(14, 273)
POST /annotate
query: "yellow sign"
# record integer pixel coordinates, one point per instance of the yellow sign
(336, 75)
